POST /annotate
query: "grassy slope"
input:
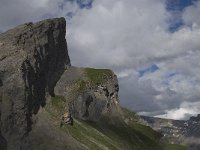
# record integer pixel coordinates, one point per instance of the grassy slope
(107, 134)
(97, 76)
(175, 147)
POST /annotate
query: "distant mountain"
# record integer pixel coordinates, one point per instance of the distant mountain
(178, 131)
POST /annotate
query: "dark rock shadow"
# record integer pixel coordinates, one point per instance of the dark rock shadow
(3, 143)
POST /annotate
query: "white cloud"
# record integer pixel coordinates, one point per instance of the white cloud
(191, 15)
(37, 3)
(123, 31)
(126, 35)
(15, 12)
(185, 111)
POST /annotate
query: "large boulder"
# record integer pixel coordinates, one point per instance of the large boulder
(33, 56)
(90, 94)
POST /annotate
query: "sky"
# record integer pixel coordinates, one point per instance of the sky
(152, 45)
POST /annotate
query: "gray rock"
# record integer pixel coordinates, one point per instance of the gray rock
(67, 119)
(86, 101)
(33, 56)
(34, 64)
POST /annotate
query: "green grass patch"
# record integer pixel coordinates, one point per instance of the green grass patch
(82, 85)
(89, 136)
(108, 133)
(58, 101)
(147, 131)
(56, 106)
(129, 137)
(176, 147)
(81, 130)
(98, 76)
(128, 114)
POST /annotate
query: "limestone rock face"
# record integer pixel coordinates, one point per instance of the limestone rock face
(98, 101)
(34, 65)
(85, 99)
(33, 56)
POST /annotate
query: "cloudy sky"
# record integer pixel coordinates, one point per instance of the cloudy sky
(152, 45)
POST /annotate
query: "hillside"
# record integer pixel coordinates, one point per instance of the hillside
(106, 133)
(185, 132)
(45, 103)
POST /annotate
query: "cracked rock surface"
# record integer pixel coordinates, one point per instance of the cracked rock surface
(33, 56)
(85, 100)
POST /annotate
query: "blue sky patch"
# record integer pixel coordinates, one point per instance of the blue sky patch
(152, 68)
(175, 25)
(177, 7)
(85, 3)
(69, 15)
(171, 75)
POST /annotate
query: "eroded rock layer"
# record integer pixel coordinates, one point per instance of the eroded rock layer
(89, 93)
(33, 56)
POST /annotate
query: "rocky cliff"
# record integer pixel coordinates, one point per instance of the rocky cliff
(89, 93)
(45, 103)
(33, 62)
(32, 59)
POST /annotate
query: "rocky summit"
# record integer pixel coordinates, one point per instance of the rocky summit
(32, 59)
(45, 103)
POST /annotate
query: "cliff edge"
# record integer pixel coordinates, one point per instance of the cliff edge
(45, 103)
(90, 93)
(36, 74)
(32, 59)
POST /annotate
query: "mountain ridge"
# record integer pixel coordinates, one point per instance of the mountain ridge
(33, 56)
(45, 103)
(186, 132)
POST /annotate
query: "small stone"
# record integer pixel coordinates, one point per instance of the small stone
(67, 119)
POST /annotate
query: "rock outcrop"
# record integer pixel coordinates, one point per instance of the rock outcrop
(197, 118)
(33, 56)
(38, 85)
(89, 97)
(44, 101)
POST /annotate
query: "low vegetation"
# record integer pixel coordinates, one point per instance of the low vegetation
(109, 133)
(106, 135)
(82, 85)
(56, 106)
(175, 147)
(89, 136)
(129, 114)
(98, 76)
